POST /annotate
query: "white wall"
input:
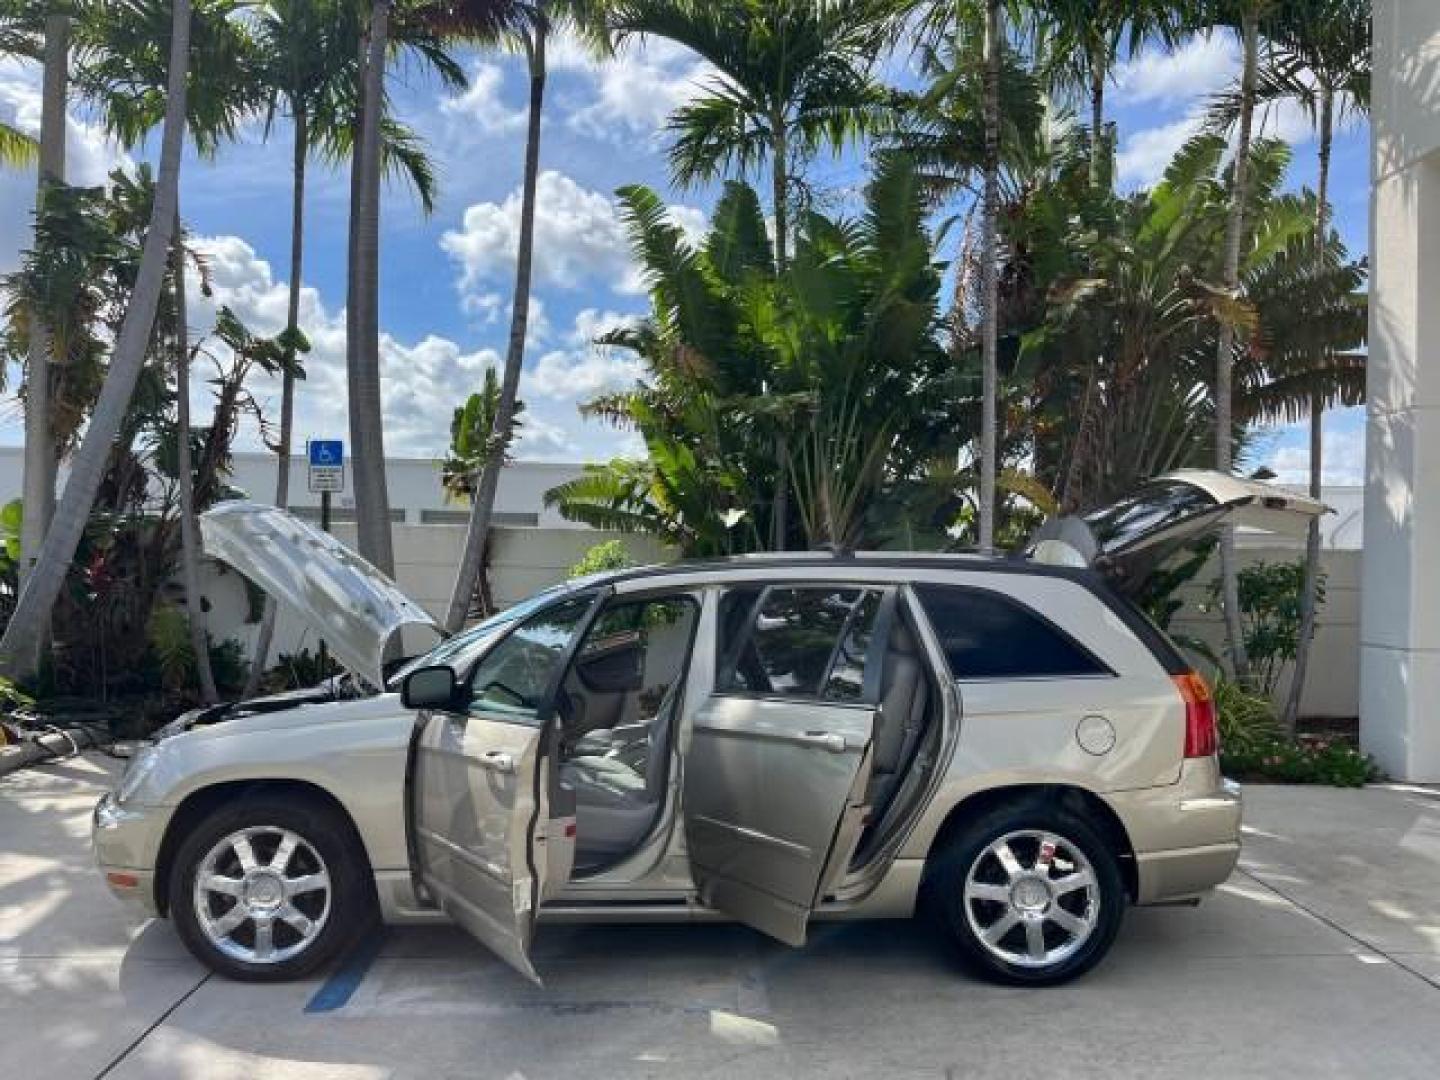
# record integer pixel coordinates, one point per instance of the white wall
(1400, 619)
(1332, 681)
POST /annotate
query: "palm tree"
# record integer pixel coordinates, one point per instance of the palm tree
(792, 78)
(473, 428)
(533, 26)
(38, 490)
(362, 349)
(1082, 40)
(37, 598)
(855, 296)
(1318, 56)
(989, 267)
(1245, 16)
(420, 26)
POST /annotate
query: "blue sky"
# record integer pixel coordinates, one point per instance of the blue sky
(446, 280)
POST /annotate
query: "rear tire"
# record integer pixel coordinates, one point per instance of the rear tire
(282, 889)
(1030, 894)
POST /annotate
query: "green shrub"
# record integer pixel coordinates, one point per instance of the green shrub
(229, 665)
(611, 555)
(1253, 746)
(1300, 761)
(1246, 720)
(298, 671)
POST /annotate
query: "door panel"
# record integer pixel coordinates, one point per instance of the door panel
(483, 781)
(480, 788)
(772, 787)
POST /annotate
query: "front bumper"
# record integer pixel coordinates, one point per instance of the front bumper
(1186, 836)
(124, 839)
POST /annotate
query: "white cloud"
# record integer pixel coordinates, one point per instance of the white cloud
(582, 374)
(579, 239)
(633, 93)
(1145, 155)
(590, 323)
(482, 103)
(543, 440)
(1203, 65)
(1344, 451)
(422, 381)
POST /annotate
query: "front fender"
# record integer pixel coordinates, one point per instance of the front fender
(353, 750)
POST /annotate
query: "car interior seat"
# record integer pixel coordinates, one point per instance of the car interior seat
(618, 792)
(900, 720)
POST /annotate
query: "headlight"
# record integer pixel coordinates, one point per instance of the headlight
(136, 773)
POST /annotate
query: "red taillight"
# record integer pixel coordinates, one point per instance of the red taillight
(1201, 737)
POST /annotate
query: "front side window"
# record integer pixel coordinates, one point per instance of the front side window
(798, 642)
(989, 636)
(510, 683)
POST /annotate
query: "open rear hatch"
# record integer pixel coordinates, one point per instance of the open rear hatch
(1127, 540)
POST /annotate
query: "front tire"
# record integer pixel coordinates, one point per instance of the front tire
(264, 890)
(1030, 894)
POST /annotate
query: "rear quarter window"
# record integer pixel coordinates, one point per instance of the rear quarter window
(987, 635)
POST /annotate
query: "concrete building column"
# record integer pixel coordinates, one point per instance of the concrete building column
(1400, 595)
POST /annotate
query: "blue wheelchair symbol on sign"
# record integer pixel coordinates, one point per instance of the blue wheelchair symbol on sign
(327, 452)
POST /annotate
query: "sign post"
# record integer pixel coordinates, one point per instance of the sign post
(327, 476)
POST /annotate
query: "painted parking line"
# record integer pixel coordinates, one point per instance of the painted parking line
(337, 990)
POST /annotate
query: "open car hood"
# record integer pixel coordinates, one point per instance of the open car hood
(1127, 540)
(345, 600)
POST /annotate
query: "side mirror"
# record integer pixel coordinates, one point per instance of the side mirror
(430, 688)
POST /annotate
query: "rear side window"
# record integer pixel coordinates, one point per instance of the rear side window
(800, 642)
(989, 636)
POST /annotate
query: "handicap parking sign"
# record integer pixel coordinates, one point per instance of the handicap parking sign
(327, 465)
(327, 452)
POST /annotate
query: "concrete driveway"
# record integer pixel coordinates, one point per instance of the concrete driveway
(1321, 957)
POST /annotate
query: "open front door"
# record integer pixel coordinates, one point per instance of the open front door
(482, 785)
(779, 757)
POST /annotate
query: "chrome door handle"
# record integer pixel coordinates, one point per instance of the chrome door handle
(826, 740)
(497, 761)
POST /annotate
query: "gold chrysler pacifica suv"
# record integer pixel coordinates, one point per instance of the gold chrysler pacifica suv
(1006, 743)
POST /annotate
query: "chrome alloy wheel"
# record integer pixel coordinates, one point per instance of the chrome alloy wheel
(262, 895)
(1032, 898)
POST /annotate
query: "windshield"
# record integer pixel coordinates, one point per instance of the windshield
(460, 651)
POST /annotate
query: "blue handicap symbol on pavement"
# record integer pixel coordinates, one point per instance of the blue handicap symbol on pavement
(327, 452)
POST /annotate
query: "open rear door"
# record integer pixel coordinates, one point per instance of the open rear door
(481, 795)
(779, 757)
(1128, 539)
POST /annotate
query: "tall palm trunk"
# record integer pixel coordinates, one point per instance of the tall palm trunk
(47, 577)
(301, 152)
(38, 490)
(1098, 148)
(1308, 598)
(989, 277)
(780, 179)
(1225, 353)
(189, 538)
(362, 353)
(482, 505)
